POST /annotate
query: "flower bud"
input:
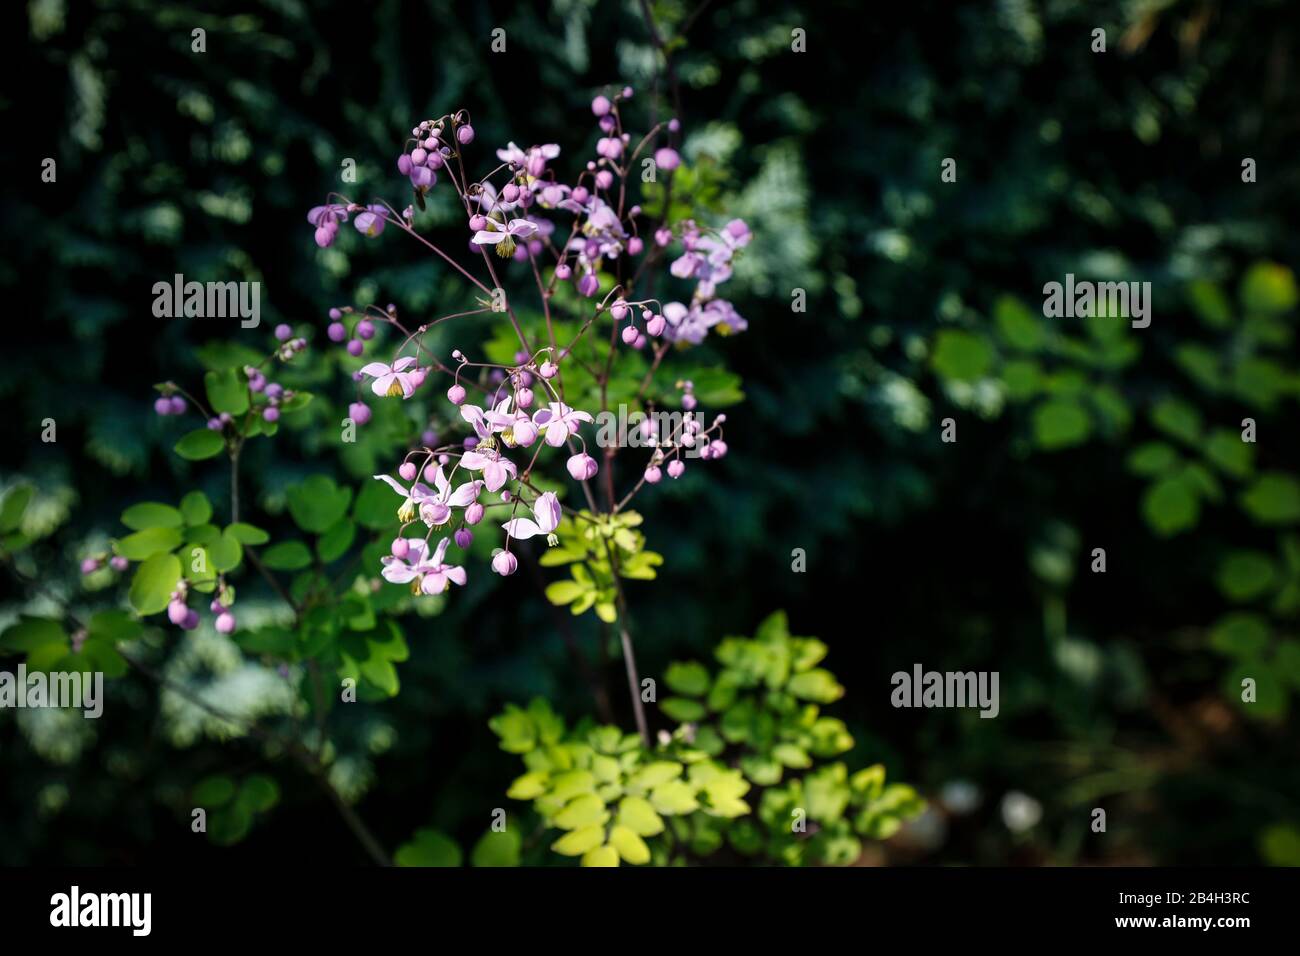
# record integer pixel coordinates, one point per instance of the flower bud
(504, 563)
(456, 394)
(582, 466)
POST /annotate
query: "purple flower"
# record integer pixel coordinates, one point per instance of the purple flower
(391, 380)
(503, 237)
(371, 222)
(425, 572)
(558, 421)
(546, 509)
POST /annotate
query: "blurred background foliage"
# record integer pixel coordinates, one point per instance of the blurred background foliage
(1120, 690)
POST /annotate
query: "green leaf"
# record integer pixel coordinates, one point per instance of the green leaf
(1019, 327)
(1269, 288)
(1153, 458)
(150, 514)
(1274, 498)
(287, 556)
(230, 824)
(196, 508)
(1171, 505)
(816, 685)
(334, 543)
(583, 811)
(638, 815)
(497, 849)
(961, 355)
(1240, 635)
(428, 847)
(317, 503)
(247, 533)
(674, 797)
(376, 506)
(1060, 423)
(200, 444)
(1175, 417)
(566, 592)
(530, 786)
(227, 391)
(225, 553)
(213, 792)
(1209, 302)
(15, 503)
(682, 709)
(147, 543)
(629, 845)
(1279, 845)
(1230, 454)
(1245, 575)
(690, 678)
(600, 856)
(259, 793)
(578, 842)
(33, 632)
(153, 583)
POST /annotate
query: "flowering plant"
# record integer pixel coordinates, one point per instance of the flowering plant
(527, 444)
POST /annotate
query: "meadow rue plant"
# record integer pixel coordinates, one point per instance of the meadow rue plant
(498, 395)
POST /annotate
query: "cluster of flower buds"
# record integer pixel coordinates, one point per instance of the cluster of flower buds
(170, 405)
(274, 393)
(93, 564)
(183, 616)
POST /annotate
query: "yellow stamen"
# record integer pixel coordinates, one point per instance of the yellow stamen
(395, 389)
(416, 583)
(407, 511)
(506, 248)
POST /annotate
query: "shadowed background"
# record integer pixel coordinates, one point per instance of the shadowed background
(1118, 690)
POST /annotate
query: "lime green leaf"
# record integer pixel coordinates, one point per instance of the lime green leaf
(601, 856)
(638, 815)
(583, 811)
(225, 553)
(247, 533)
(629, 845)
(145, 544)
(195, 508)
(816, 685)
(153, 583)
(566, 592)
(578, 842)
(150, 514)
